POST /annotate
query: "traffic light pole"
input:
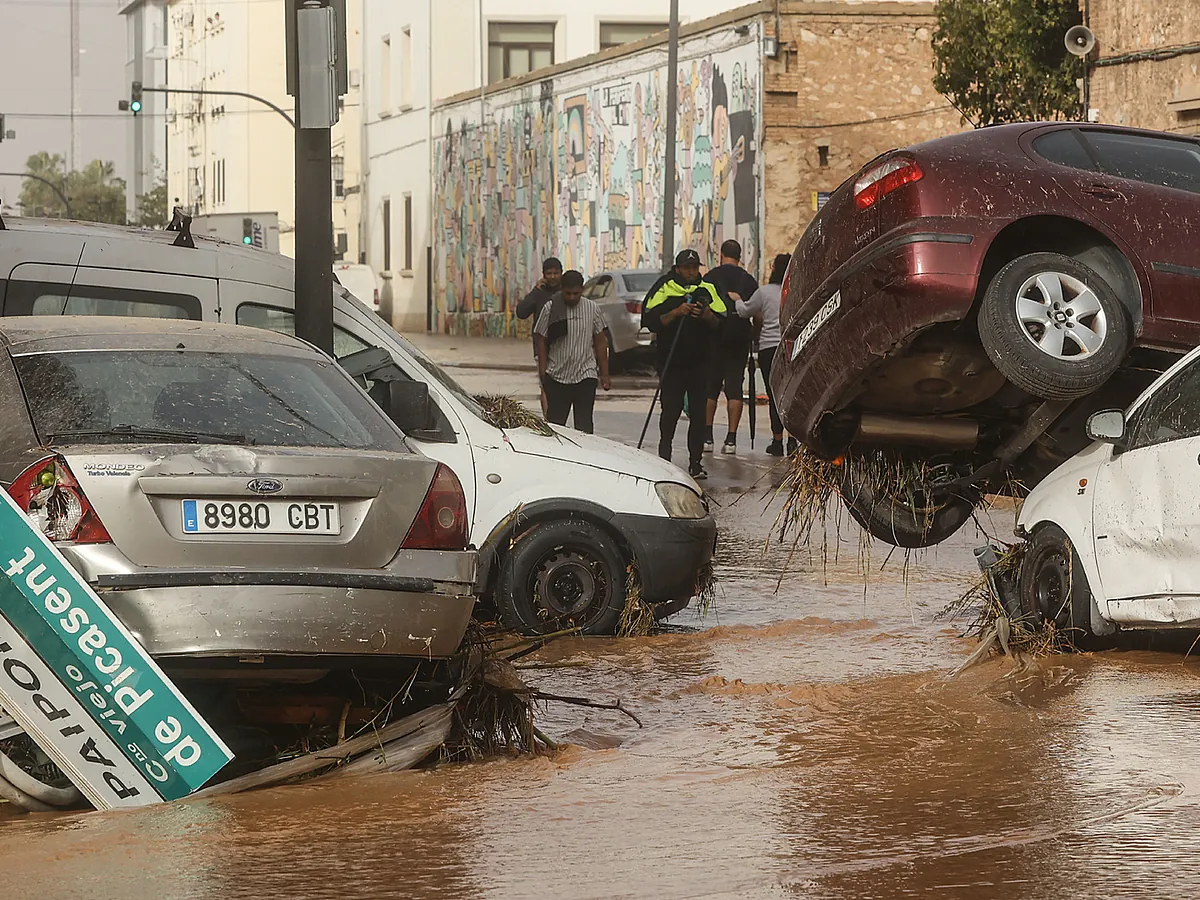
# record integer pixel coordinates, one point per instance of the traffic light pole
(314, 238)
(262, 100)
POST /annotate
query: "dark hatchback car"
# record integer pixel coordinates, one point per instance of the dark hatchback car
(959, 307)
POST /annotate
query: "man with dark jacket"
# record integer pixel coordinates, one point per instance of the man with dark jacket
(685, 312)
(732, 346)
(531, 305)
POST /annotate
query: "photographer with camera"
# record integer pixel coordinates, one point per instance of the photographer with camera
(685, 313)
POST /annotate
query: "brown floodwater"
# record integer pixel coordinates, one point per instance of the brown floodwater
(806, 742)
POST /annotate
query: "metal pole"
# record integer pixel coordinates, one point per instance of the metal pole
(139, 127)
(74, 163)
(202, 93)
(668, 219)
(54, 187)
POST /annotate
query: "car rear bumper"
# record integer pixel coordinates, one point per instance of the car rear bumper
(627, 333)
(670, 553)
(905, 284)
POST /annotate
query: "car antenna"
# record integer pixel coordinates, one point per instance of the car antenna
(181, 222)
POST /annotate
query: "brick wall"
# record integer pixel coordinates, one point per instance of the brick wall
(1136, 93)
(842, 63)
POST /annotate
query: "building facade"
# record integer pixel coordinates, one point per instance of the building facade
(146, 29)
(1145, 71)
(415, 53)
(778, 104)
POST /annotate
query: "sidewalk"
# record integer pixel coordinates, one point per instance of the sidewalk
(460, 351)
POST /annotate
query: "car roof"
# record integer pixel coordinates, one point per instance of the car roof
(90, 244)
(47, 334)
(1012, 131)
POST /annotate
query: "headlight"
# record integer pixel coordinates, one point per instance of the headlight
(680, 501)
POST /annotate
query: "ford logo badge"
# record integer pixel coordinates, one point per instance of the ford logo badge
(265, 486)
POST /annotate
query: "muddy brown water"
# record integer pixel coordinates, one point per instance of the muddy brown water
(799, 743)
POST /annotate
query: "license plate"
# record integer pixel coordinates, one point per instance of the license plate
(823, 315)
(260, 517)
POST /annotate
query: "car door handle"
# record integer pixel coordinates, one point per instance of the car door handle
(1104, 194)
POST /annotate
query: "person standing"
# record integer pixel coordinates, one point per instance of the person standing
(763, 309)
(572, 353)
(732, 348)
(532, 303)
(685, 313)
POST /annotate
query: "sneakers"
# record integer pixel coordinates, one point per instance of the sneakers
(729, 448)
(775, 448)
(709, 446)
(697, 472)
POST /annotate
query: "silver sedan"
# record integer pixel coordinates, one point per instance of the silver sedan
(620, 294)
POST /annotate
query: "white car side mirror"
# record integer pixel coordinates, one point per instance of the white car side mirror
(1107, 426)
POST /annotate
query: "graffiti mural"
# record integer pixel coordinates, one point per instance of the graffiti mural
(574, 169)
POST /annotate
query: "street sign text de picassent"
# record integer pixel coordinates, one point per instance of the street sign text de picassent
(76, 640)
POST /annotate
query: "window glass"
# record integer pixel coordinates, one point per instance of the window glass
(640, 282)
(613, 34)
(1172, 413)
(283, 321)
(29, 298)
(264, 400)
(1162, 161)
(1064, 148)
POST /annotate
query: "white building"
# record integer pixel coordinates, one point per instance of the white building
(146, 27)
(416, 52)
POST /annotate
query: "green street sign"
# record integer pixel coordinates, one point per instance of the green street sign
(92, 655)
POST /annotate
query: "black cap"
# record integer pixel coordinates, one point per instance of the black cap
(687, 258)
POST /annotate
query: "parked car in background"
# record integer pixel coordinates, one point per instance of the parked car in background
(957, 309)
(559, 517)
(231, 493)
(620, 294)
(359, 281)
(1114, 533)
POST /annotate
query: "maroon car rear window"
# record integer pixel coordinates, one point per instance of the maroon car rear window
(1063, 148)
(1167, 162)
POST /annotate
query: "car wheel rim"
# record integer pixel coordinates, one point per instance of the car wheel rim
(569, 584)
(1061, 316)
(1052, 587)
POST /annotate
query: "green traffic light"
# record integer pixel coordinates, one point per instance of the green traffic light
(247, 240)
(136, 106)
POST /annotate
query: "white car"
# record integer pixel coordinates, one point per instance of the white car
(559, 519)
(1114, 533)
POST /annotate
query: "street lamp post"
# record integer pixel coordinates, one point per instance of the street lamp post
(668, 218)
(50, 184)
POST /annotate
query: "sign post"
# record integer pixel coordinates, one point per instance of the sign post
(81, 685)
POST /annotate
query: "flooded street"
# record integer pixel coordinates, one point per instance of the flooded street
(802, 742)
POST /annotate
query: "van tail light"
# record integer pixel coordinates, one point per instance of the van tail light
(633, 307)
(50, 496)
(879, 181)
(441, 523)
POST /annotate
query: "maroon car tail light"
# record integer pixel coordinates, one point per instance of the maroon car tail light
(786, 288)
(49, 495)
(441, 523)
(879, 181)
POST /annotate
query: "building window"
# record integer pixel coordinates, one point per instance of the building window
(338, 168)
(406, 68)
(408, 235)
(385, 76)
(517, 48)
(823, 155)
(614, 34)
(387, 235)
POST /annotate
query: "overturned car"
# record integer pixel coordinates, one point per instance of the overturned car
(959, 308)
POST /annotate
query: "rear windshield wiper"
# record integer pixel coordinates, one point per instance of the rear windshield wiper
(157, 434)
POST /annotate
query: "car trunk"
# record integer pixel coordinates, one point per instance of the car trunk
(202, 506)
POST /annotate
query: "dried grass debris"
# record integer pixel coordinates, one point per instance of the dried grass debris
(506, 412)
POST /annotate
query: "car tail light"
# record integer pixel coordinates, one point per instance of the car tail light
(50, 496)
(786, 287)
(633, 307)
(441, 523)
(881, 180)
(376, 296)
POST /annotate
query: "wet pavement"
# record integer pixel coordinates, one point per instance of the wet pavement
(803, 739)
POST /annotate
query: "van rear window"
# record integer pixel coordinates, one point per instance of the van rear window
(33, 298)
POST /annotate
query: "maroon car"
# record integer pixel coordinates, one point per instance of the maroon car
(958, 308)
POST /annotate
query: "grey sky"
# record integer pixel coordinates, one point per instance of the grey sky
(35, 77)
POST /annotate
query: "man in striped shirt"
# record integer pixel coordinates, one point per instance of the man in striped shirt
(572, 353)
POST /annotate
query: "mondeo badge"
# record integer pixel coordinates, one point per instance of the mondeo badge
(265, 486)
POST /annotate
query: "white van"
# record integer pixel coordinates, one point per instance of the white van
(562, 521)
(359, 281)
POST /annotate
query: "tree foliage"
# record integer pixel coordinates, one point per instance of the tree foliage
(151, 209)
(1004, 60)
(95, 193)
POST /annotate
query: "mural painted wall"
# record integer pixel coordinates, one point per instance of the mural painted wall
(573, 168)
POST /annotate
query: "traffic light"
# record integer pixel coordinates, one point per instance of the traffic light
(135, 98)
(247, 231)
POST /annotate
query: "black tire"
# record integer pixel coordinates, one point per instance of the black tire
(562, 574)
(1054, 588)
(1072, 370)
(614, 358)
(921, 522)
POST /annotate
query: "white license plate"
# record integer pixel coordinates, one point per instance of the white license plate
(261, 517)
(823, 315)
